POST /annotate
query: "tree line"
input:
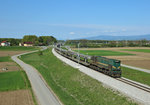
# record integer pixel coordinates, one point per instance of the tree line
(108, 43)
(13, 41)
(37, 41)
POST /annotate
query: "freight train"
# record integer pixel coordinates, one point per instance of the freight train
(105, 65)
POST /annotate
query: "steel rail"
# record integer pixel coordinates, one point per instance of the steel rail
(132, 83)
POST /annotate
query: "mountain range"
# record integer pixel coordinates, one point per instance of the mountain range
(110, 37)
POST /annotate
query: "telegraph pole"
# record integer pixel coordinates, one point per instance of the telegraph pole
(78, 54)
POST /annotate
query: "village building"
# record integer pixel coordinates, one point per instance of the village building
(27, 44)
(20, 44)
(5, 43)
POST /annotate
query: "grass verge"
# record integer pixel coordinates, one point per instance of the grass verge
(70, 85)
(103, 53)
(135, 75)
(5, 59)
(17, 48)
(137, 50)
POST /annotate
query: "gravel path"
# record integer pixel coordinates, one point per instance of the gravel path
(130, 91)
(44, 94)
(136, 68)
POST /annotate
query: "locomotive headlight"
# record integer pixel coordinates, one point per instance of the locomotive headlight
(114, 67)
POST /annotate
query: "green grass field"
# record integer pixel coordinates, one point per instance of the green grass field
(13, 81)
(103, 53)
(5, 59)
(70, 85)
(135, 75)
(17, 48)
(137, 50)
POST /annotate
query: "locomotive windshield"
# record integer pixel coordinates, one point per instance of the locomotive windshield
(117, 64)
(117, 61)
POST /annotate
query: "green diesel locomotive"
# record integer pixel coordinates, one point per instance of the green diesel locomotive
(108, 66)
(111, 67)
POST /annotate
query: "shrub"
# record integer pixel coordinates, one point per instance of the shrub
(40, 52)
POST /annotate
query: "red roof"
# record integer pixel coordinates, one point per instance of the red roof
(28, 43)
(3, 41)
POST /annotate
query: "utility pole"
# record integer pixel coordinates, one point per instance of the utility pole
(126, 43)
(116, 43)
(78, 54)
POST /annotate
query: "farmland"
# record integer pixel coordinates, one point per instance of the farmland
(17, 48)
(16, 97)
(70, 85)
(103, 53)
(137, 50)
(7, 52)
(8, 79)
(11, 66)
(15, 86)
(5, 59)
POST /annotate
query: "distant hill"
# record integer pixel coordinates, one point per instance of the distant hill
(110, 37)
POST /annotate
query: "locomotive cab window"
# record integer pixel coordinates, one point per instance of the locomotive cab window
(117, 64)
(117, 61)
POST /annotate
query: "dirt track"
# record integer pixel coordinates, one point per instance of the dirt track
(141, 59)
(19, 97)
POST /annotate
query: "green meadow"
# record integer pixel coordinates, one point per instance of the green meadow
(70, 85)
(13, 81)
(135, 75)
(102, 53)
(5, 59)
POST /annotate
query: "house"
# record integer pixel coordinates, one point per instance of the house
(5, 43)
(20, 44)
(27, 44)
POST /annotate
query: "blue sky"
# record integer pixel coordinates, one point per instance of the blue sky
(69, 19)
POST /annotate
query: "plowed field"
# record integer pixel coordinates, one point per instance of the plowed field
(18, 97)
(10, 53)
(11, 66)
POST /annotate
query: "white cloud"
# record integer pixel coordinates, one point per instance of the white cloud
(71, 33)
(99, 29)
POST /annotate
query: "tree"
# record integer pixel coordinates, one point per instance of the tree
(30, 38)
(47, 40)
(40, 39)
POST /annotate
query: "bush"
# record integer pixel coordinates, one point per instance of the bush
(40, 52)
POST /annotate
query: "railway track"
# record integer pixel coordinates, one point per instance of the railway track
(137, 85)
